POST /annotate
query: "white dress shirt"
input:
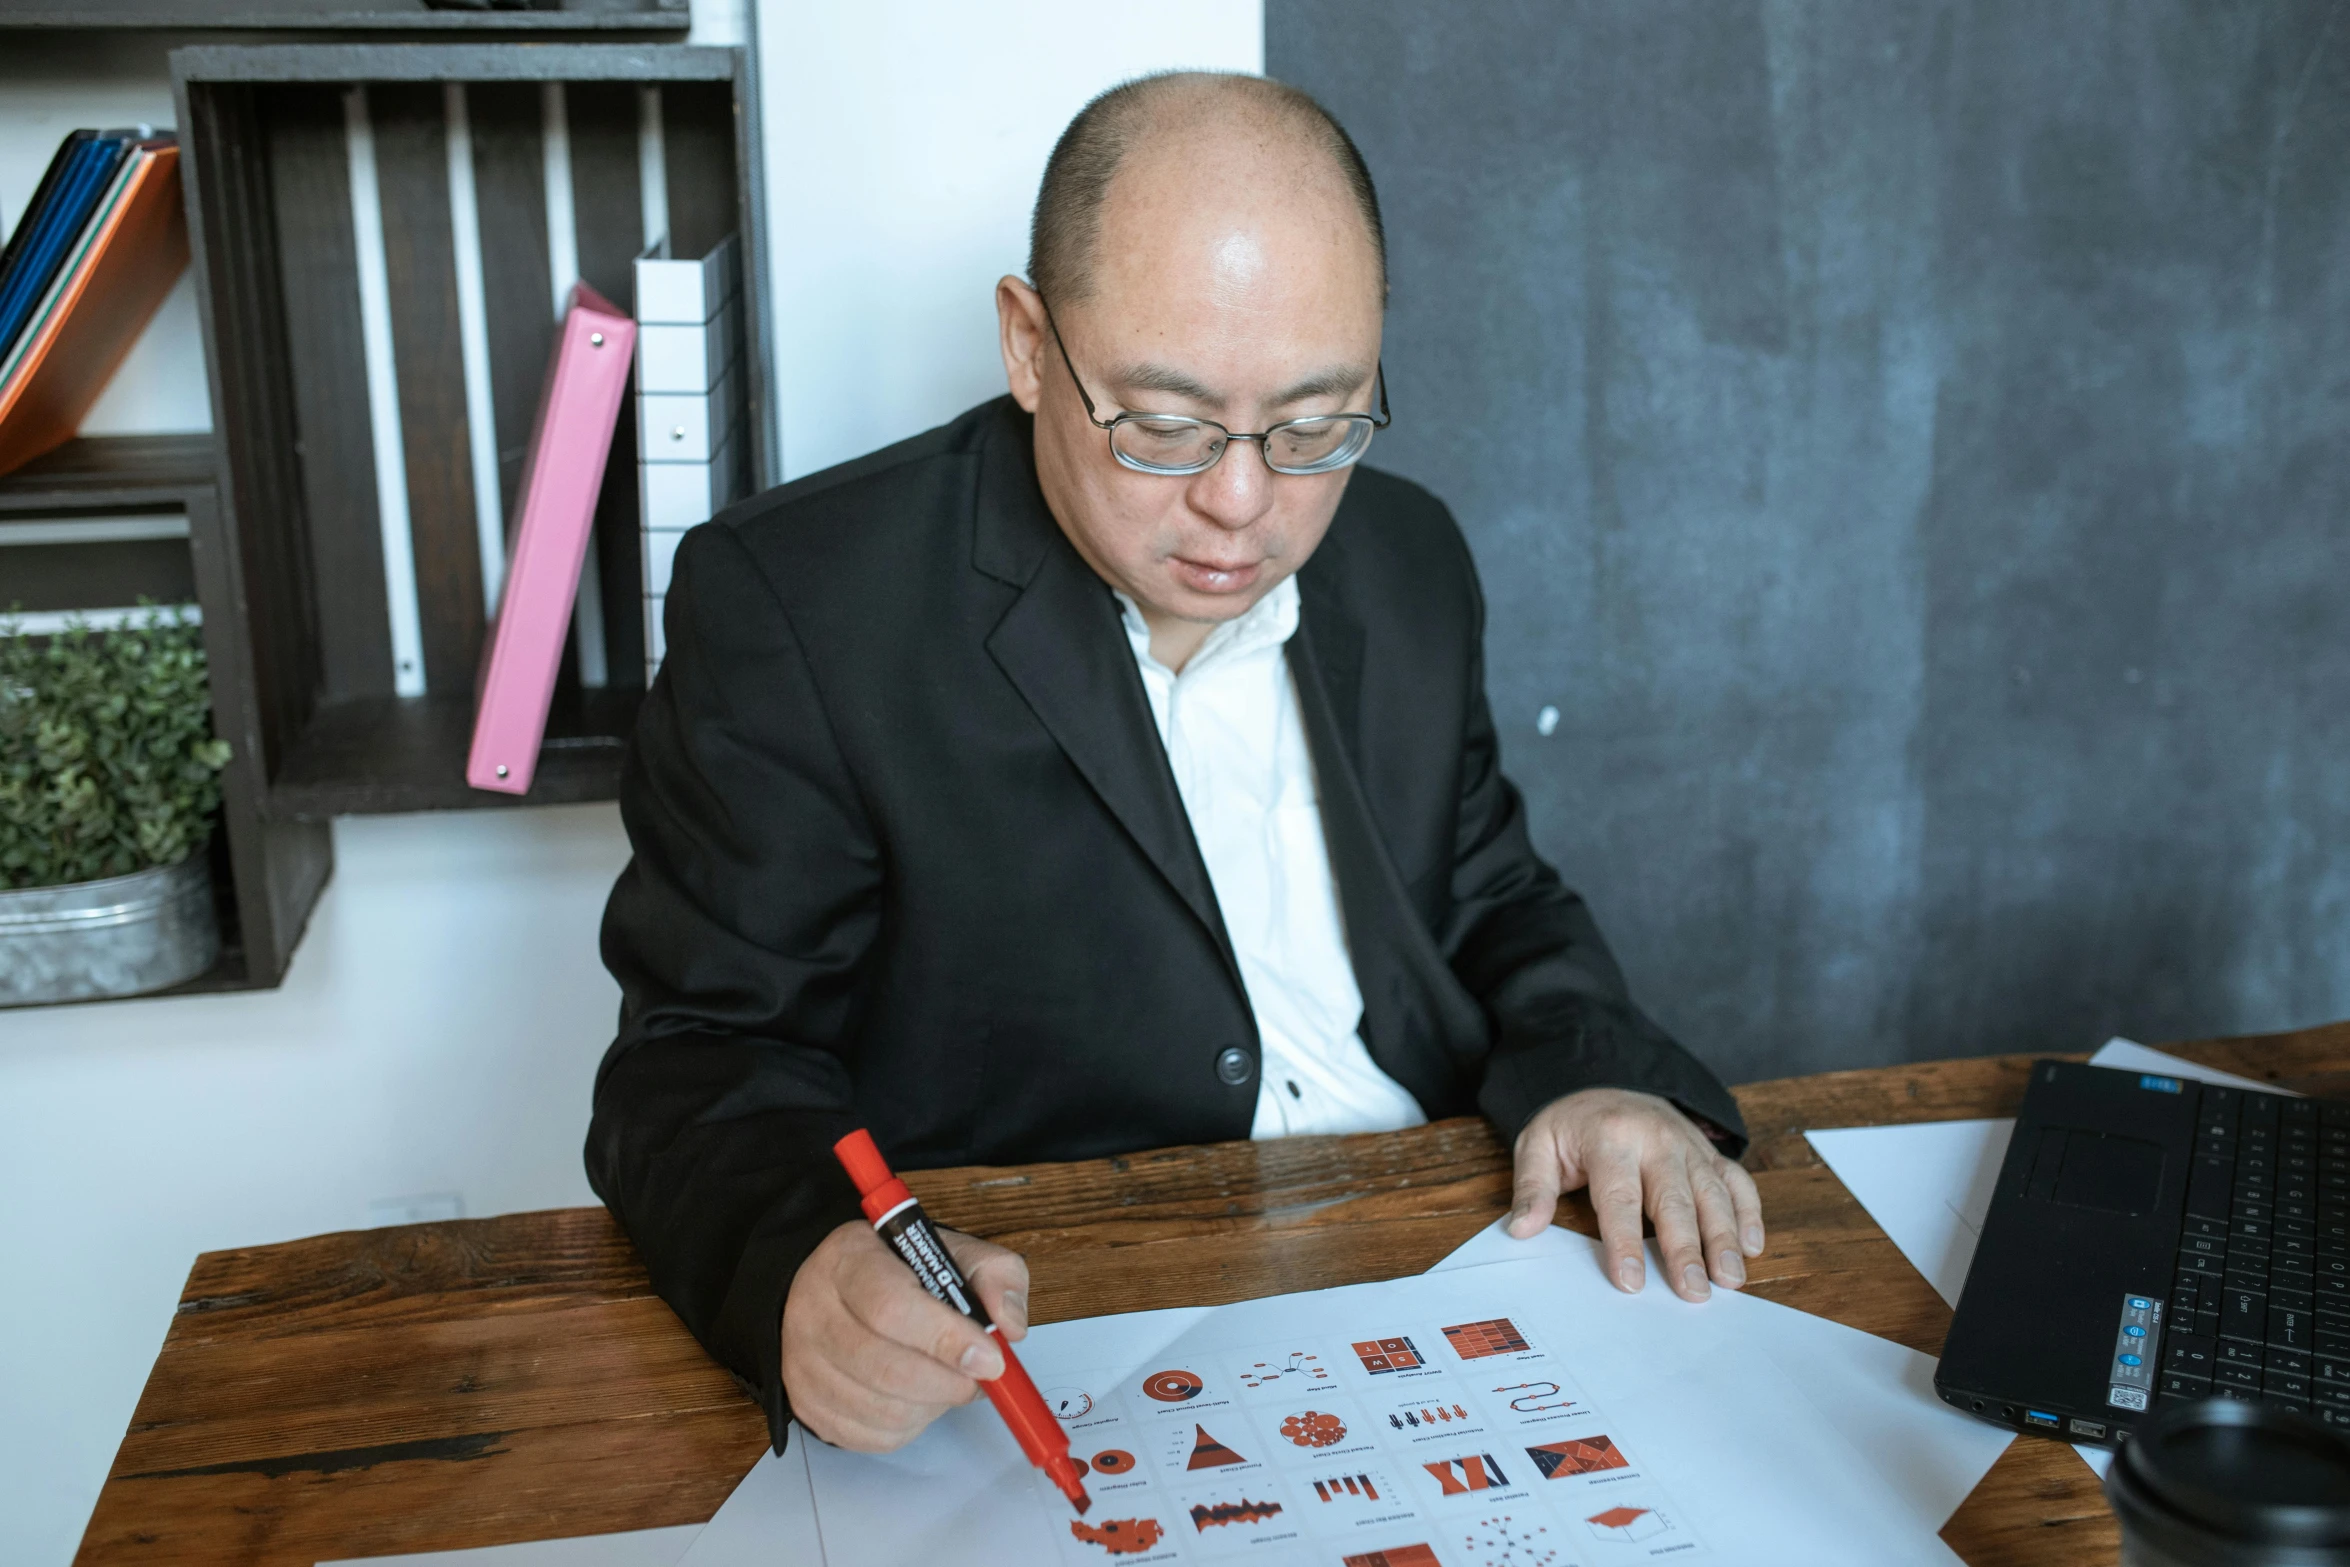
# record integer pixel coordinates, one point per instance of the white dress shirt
(1237, 745)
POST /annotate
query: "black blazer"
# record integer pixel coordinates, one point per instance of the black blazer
(908, 854)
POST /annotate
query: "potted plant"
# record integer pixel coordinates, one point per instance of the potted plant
(109, 782)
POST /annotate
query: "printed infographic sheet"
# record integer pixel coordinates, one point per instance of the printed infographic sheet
(1484, 1418)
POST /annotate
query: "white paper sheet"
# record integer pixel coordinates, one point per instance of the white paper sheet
(1929, 1185)
(2128, 1055)
(1710, 1450)
(635, 1548)
(1878, 1393)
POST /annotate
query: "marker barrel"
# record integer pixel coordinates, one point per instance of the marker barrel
(900, 1222)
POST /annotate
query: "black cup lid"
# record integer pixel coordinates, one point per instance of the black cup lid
(2246, 1471)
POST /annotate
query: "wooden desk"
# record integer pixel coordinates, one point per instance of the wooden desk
(492, 1380)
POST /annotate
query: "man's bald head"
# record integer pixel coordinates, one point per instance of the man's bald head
(1177, 106)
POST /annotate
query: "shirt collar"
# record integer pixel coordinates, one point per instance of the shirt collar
(1269, 622)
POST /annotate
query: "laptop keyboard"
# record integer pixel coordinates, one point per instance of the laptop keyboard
(2260, 1308)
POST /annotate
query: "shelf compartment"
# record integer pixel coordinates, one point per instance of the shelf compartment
(267, 872)
(272, 171)
(375, 754)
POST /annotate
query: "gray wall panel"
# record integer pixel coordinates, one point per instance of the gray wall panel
(1905, 440)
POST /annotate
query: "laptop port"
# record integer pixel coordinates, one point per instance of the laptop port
(2088, 1428)
(2041, 1417)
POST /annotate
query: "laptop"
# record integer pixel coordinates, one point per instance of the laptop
(2153, 1238)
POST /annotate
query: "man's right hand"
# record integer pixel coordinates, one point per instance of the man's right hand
(870, 1359)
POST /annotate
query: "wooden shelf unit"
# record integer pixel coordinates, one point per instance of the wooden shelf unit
(267, 870)
(410, 17)
(268, 176)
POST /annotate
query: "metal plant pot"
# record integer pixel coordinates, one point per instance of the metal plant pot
(117, 937)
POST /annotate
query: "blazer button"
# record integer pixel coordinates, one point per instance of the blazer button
(1234, 1066)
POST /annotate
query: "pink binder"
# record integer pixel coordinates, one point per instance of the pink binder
(579, 407)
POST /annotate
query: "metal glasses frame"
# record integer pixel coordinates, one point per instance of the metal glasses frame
(1379, 421)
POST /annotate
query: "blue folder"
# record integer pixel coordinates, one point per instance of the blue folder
(53, 228)
(41, 196)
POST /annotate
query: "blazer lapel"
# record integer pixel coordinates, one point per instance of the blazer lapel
(1411, 1000)
(1064, 647)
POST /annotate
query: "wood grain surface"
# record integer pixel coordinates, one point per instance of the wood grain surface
(494, 1380)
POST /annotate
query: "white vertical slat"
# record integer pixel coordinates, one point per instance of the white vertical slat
(383, 399)
(587, 610)
(652, 164)
(652, 170)
(473, 337)
(562, 222)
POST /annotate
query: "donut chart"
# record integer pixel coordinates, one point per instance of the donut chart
(1171, 1387)
(1113, 1461)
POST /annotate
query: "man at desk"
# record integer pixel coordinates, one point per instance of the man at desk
(1108, 769)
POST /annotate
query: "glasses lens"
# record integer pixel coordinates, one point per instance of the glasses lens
(1167, 445)
(1317, 445)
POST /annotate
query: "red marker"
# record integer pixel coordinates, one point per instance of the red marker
(899, 1220)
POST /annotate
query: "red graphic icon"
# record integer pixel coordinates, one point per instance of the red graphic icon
(1504, 1541)
(1476, 1340)
(1628, 1523)
(1347, 1485)
(1475, 1472)
(1577, 1456)
(1119, 1536)
(1207, 1515)
(1300, 1365)
(1535, 1396)
(1113, 1461)
(1396, 1556)
(1208, 1453)
(1171, 1387)
(1427, 1415)
(1381, 1355)
(1312, 1428)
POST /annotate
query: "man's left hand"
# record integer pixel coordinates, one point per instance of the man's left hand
(1640, 1155)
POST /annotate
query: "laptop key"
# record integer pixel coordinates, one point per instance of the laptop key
(2202, 1263)
(2288, 1329)
(2228, 1376)
(2177, 1384)
(2204, 1245)
(2188, 1353)
(2331, 1368)
(2243, 1313)
(2238, 1352)
(2293, 1361)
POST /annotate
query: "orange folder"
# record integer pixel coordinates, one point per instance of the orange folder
(111, 289)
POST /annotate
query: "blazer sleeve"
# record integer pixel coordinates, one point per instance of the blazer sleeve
(738, 934)
(1525, 945)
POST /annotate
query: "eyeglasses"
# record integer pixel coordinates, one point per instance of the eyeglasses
(1172, 445)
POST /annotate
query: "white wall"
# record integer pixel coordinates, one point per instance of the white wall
(436, 1035)
(903, 143)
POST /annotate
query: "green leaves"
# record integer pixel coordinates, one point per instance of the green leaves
(107, 760)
